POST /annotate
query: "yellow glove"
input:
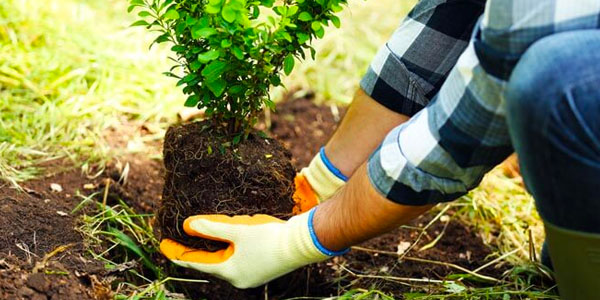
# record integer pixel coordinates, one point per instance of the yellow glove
(316, 183)
(261, 247)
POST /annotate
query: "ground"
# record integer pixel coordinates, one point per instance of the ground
(44, 256)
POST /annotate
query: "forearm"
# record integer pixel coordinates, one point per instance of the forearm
(363, 128)
(357, 212)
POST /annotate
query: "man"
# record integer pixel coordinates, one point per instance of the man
(459, 86)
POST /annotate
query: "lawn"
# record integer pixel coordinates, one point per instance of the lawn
(81, 94)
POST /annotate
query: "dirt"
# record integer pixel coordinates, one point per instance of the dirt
(458, 245)
(304, 127)
(43, 256)
(41, 253)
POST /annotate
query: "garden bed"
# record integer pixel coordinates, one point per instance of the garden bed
(44, 256)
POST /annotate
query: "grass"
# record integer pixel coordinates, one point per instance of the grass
(69, 71)
(72, 70)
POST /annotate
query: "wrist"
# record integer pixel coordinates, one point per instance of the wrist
(315, 239)
(331, 167)
(323, 177)
(305, 243)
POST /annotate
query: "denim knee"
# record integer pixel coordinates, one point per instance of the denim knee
(554, 87)
(548, 68)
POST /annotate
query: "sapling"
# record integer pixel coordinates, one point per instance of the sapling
(230, 52)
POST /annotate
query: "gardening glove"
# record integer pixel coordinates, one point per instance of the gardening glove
(316, 183)
(261, 247)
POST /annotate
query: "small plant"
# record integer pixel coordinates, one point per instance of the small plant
(232, 51)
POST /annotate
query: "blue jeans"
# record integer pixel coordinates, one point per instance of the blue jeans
(553, 113)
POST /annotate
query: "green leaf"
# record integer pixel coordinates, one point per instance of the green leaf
(225, 43)
(214, 6)
(189, 21)
(237, 52)
(196, 65)
(262, 134)
(140, 23)
(267, 3)
(288, 64)
(212, 9)
(305, 16)
(208, 56)
(178, 48)
(286, 36)
(303, 38)
(162, 38)
(313, 52)
(292, 10)
(217, 87)
(320, 33)
(316, 25)
(188, 78)
(213, 70)
(144, 14)
(336, 8)
(236, 89)
(229, 13)
(171, 14)
(203, 32)
(336, 21)
(192, 101)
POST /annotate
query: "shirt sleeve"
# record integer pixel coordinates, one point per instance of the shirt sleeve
(446, 148)
(412, 65)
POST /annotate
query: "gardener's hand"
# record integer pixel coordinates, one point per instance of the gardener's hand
(261, 247)
(316, 183)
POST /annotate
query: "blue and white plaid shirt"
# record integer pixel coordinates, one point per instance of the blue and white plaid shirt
(446, 148)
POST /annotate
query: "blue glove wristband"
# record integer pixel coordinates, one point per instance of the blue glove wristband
(330, 166)
(315, 239)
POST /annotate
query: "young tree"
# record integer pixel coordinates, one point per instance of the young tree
(232, 51)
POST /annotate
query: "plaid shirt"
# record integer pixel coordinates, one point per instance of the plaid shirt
(444, 150)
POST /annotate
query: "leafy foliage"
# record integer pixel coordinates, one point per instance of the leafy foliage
(233, 51)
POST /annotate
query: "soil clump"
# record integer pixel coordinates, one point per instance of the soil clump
(204, 177)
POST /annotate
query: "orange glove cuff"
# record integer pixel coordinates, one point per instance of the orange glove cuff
(304, 196)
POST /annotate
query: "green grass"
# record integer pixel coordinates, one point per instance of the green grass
(69, 71)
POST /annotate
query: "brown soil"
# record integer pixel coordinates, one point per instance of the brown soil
(33, 226)
(41, 253)
(203, 177)
(304, 127)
